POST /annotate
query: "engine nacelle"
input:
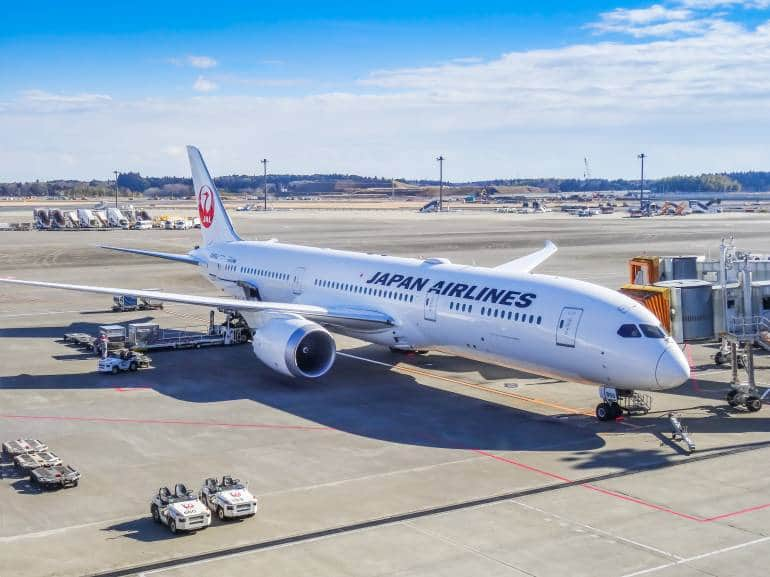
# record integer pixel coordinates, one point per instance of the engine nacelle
(295, 347)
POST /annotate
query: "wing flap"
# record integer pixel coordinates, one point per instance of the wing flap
(353, 315)
(530, 261)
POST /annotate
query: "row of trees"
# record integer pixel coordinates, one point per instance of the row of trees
(176, 186)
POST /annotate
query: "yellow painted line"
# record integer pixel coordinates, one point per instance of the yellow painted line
(410, 369)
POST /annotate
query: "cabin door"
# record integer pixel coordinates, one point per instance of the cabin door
(566, 330)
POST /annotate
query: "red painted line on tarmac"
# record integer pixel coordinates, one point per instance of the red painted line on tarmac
(621, 496)
(736, 513)
(688, 352)
(167, 422)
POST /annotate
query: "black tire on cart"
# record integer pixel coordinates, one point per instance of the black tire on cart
(731, 398)
(172, 526)
(133, 366)
(617, 410)
(115, 370)
(75, 482)
(719, 358)
(220, 513)
(155, 513)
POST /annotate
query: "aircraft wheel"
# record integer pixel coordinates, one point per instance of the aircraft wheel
(731, 398)
(604, 412)
(753, 404)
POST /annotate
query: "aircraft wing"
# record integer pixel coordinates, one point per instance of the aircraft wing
(360, 319)
(529, 262)
(167, 255)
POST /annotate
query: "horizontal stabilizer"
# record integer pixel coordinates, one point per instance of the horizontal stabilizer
(529, 262)
(167, 255)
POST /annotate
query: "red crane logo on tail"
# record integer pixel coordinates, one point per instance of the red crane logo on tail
(206, 206)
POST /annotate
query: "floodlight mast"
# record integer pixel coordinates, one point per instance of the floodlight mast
(440, 160)
(641, 157)
(264, 181)
(116, 173)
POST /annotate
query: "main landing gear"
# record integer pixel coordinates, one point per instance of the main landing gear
(617, 401)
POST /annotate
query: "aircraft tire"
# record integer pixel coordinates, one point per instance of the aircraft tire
(604, 412)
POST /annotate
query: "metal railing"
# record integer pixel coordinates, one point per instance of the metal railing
(748, 328)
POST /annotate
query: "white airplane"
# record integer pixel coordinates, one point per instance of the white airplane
(290, 295)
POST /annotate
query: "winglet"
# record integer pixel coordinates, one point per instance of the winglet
(529, 262)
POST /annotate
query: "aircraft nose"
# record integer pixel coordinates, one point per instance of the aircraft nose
(672, 369)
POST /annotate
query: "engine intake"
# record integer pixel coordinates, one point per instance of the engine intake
(295, 347)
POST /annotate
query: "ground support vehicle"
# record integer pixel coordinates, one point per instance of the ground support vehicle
(180, 510)
(30, 461)
(229, 499)
(80, 339)
(123, 361)
(123, 303)
(22, 447)
(55, 476)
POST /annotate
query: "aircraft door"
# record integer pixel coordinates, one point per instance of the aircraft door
(296, 280)
(567, 328)
(431, 303)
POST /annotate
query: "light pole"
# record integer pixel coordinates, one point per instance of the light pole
(264, 167)
(440, 160)
(116, 173)
(641, 157)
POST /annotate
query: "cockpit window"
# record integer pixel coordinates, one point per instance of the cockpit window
(653, 332)
(629, 331)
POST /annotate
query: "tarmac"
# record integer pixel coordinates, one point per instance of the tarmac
(390, 464)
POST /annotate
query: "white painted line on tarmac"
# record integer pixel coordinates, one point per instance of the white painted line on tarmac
(366, 360)
(593, 529)
(44, 313)
(50, 532)
(384, 474)
(698, 557)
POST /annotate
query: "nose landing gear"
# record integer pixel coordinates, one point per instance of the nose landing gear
(617, 401)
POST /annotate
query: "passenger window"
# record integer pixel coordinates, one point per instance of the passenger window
(482, 310)
(652, 332)
(629, 332)
(539, 320)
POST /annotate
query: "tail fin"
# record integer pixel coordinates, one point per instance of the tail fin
(215, 223)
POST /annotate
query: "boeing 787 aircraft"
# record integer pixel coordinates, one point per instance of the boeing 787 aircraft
(291, 296)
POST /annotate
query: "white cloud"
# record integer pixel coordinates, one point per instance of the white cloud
(711, 4)
(44, 102)
(654, 13)
(693, 103)
(201, 62)
(204, 85)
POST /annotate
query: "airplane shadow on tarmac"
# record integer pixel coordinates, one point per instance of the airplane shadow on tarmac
(355, 397)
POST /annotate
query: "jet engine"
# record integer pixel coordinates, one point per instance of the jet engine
(295, 347)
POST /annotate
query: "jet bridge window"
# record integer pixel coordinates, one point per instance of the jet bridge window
(629, 331)
(652, 332)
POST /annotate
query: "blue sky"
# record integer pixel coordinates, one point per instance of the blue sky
(503, 89)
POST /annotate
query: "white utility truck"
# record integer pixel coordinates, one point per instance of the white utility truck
(229, 499)
(123, 361)
(180, 510)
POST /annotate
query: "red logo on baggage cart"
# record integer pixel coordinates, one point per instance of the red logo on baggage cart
(206, 206)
